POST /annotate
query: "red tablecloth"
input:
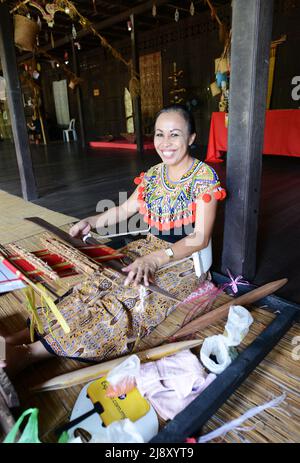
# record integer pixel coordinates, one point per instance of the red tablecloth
(282, 134)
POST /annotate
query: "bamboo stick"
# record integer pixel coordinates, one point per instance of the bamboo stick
(221, 312)
(96, 371)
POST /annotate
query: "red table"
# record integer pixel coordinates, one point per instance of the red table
(282, 134)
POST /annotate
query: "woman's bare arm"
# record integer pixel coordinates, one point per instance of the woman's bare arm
(111, 217)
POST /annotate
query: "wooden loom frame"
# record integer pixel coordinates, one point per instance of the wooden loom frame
(189, 421)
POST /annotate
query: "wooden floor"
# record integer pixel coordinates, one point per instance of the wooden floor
(72, 181)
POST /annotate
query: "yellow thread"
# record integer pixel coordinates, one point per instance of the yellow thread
(49, 302)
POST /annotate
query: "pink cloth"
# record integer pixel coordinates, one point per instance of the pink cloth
(173, 382)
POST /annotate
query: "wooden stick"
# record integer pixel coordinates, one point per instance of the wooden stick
(39, 289)
(96, 371)
(222, 311)
(35, 261)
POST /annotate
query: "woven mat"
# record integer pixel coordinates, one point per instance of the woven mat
(278, 372)
(12, 212)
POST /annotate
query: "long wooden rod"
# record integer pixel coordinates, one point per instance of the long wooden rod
(221, 312)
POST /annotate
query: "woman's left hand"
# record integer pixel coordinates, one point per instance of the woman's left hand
(142, 270)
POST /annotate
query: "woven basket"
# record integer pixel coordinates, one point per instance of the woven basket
(26, 31)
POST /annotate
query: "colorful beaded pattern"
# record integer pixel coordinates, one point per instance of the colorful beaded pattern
(166, 204)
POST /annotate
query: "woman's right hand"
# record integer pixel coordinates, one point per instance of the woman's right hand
(80, 229)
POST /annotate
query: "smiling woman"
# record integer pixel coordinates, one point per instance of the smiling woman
(177, 198)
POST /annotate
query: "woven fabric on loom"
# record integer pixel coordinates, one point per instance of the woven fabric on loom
(105, 317)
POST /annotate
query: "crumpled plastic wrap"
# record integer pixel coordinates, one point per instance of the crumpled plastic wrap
(220, 346)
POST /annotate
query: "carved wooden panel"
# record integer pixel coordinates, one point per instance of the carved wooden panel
(151, 88)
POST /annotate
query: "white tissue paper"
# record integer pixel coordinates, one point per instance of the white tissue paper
(236, 328)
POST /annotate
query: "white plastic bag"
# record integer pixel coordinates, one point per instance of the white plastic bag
(122, 377)
(217, 347)
(236, 328)
(118, 432)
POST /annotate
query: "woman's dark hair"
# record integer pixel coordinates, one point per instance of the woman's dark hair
(181, 109)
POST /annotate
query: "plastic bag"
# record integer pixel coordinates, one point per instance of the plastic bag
(221, 346)
(237, 326)
(122, 377)
(30, 433)
(118, 432)
(217, 347)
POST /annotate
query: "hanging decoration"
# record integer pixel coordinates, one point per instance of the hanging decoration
(192, 9)
(274, 44)
(69, 8)
(176, 93)
(154, 12)
(74, 32)
(51, 9)
(66, 57)
(25, 32)
(176, 17)
(222, 76)
(59, 63)
(223, 31)
(52, 40)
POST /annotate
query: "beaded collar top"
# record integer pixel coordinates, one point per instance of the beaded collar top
(166, 204)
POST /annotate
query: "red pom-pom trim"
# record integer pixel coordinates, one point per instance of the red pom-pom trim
(224, 194)
(166, 226)
(178, 223)
(206, 197)
(141, 189)
(137, 180)
(218, 194)
(142, 174)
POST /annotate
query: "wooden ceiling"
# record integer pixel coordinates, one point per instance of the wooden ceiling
(110, 18)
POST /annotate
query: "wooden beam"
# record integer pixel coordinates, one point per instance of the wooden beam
(136, 99)
(15, 104)
(78, 91)
(104, 24)
(250, 51)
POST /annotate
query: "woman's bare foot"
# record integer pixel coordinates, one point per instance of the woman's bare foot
(20, 337)
(19, 357)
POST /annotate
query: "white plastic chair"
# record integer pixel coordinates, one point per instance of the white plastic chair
(70, 129)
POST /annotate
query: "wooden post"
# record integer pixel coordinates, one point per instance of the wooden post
(250, 50)
(136, 100)
(15, 104)
(78, 95)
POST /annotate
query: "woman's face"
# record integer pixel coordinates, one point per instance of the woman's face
(172, 138)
